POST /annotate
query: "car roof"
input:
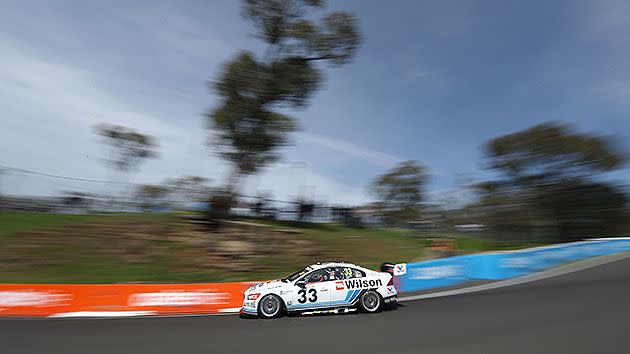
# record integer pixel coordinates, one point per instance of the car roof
(326, 264)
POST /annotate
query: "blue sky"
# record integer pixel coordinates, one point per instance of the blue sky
(432, 81)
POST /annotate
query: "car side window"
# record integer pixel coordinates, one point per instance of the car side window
(336, 273)
(347, 273)
(317, 276)
(358, 273)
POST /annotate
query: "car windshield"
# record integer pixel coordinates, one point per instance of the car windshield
(297, 274)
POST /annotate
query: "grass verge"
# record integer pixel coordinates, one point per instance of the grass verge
(123, 248)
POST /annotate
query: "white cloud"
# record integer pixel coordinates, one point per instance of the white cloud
(599, 20)
(418, 75)
(50, 109)
(353, 150)
(49, 106)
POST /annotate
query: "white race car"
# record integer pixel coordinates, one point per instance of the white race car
(324, 287)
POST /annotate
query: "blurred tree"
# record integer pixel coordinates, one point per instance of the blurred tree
(507, 216)
(151, 196)
(3, 171)
(400, 192)
(580, 209)
(248, 129)
(347, 216)
(129, 147)
(259, 207)
(305, 210)
(550, 152)
(549, 179)
(189, 188)
(220, 205)
(263, 206)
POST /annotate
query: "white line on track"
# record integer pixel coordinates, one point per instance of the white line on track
(230, 310)
(553, 272)
(102, 314)
(125, 314)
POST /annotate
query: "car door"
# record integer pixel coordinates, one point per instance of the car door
(316, 291)
(346, 290)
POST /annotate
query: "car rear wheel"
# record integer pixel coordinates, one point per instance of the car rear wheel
(371, 302)
(270, 306)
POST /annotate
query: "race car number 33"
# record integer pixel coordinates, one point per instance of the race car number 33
(311, 298)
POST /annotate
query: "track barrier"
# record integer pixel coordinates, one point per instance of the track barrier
(102, 300)
(500, 265)
(117, 300)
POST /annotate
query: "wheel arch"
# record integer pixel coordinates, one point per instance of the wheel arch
(283, 305)
(380, 300)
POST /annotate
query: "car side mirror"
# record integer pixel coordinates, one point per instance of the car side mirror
(301, 283)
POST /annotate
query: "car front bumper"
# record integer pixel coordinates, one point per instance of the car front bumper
(248, 311)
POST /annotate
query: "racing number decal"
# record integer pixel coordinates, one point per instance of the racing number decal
(313, 294)
(303, 298)
(347, 272)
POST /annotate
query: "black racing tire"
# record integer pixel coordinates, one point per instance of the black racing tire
(371, 302)
(270, 306)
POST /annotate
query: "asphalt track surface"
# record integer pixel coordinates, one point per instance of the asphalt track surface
(582, 312)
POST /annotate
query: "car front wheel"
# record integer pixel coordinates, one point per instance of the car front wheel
(371, 302)
(270, 306)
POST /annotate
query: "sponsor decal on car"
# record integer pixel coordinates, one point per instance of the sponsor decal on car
(362, 283)
(400, 269)
(339, 285)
